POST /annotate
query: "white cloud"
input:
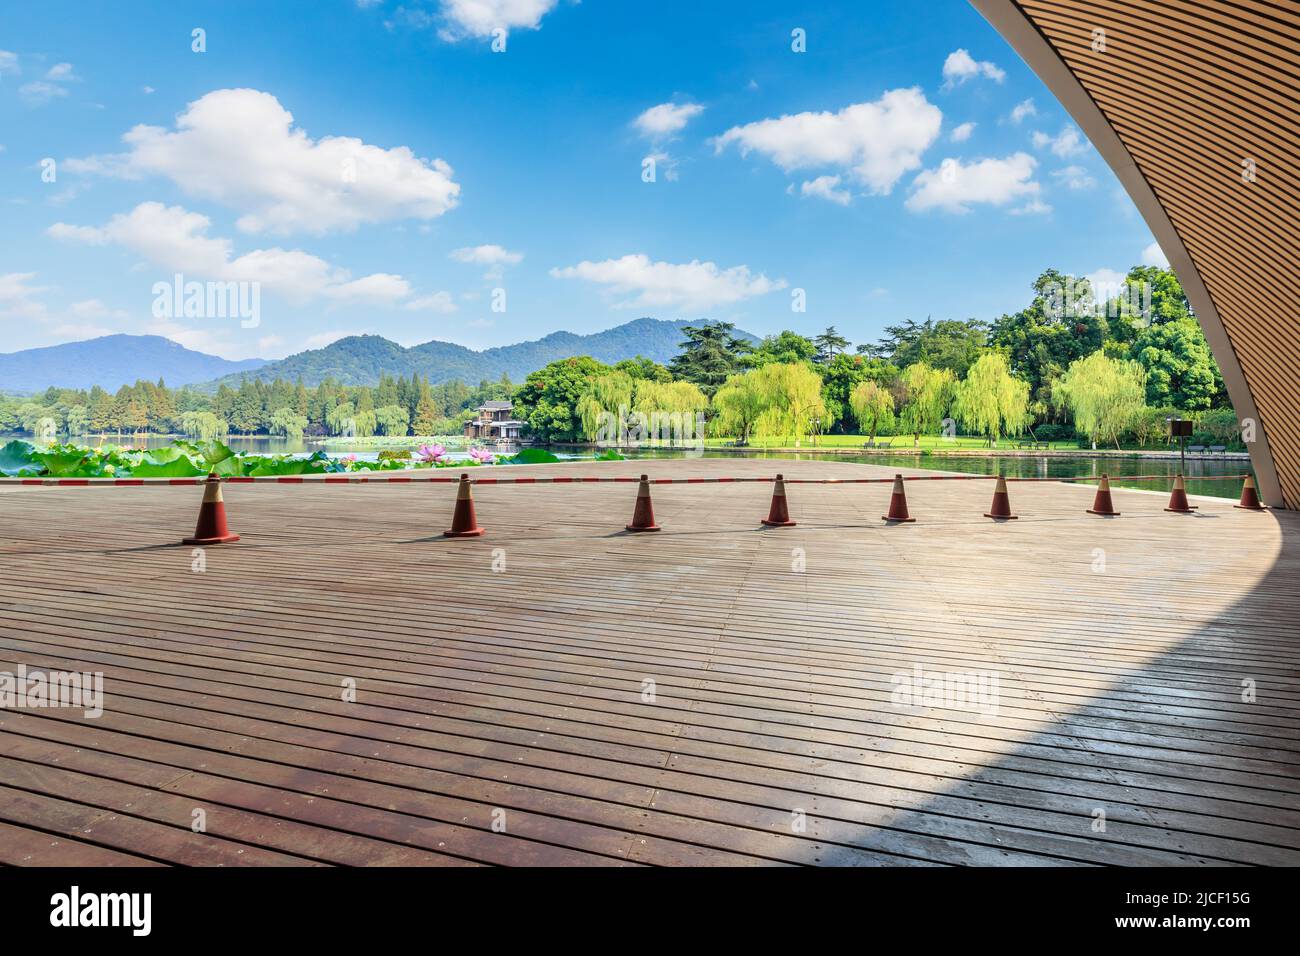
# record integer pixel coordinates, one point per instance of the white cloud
(876, 142)
(960, 66)
(487, 255)
(380, 288)
(1074, 177)
(1106, 283)
(146, 90)
(961, 133)
(1023, 110)
(177, 240)
(1035, 207)
(826, 187)
(954, 185)
(478, 18)
(1068, 142)
(1153, 255)
(495, 257)
(239, 147)
(43, 91)
(40, 92)
(440, 302)
(666, 119)
(18, 295)
(688, 285)
(662, 160)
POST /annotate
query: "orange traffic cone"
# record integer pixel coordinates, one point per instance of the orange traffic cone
(464, 523)
(778, 516)
(1249, 496)
(643, 515)
(898, 503)
(1101, 504)
(1001, 507)
(212, 528)
(1178, 498)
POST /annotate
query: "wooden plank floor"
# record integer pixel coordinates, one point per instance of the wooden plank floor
(502, 711)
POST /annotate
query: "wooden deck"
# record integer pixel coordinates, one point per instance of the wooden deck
(502, 680)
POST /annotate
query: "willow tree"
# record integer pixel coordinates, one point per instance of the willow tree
(605, 403)
(793, 394)
(991, 401)
(669, 409)
(737, 405)
(1105, 395)
(873, 406)
(928, 392)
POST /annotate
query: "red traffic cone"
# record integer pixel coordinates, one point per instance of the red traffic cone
(212, 528)
(464, 523)
(1249, 496)
(643, 515)
(1101, 504)
(1178, 498)
(778, 516)
(897, 503)
(1001, 507)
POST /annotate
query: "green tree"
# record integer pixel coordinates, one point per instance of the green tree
(873, 406)
(841, 375)
(793, 394)
(990, 400)
(949, 344)
(1180, 369)
(549, 399)
(392, 420)
(709, 355)
(737, 405)
(829, 343)
(287, 422)
(927, 394)
(1105, 395)
(785, 347)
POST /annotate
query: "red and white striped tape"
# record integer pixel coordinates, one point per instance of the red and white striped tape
(410, 477)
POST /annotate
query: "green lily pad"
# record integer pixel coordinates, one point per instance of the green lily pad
(18, 460)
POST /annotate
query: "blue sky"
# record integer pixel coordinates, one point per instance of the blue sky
(376, 166)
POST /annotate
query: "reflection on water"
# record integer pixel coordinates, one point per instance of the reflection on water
(1067, 466)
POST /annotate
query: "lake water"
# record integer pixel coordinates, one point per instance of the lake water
(1018, 467)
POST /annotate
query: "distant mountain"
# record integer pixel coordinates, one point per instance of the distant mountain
(359, 359)
(112, 361)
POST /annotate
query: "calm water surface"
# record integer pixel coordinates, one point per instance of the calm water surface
(1196, 471)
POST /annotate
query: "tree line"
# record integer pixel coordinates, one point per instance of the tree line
(1070, 365)
(1066, 366)
(395, 406)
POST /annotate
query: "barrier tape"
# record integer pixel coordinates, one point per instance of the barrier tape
(354, 479)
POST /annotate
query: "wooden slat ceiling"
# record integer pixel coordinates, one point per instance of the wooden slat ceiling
(1193, 87)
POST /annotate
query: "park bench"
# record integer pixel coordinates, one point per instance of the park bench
(1195, 449)
(1218, 449)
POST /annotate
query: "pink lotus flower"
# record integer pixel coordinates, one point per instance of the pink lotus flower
(349, 458)
(430, 452)
(481, 455)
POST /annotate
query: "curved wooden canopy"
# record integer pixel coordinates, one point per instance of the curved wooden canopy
(1195, 104)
